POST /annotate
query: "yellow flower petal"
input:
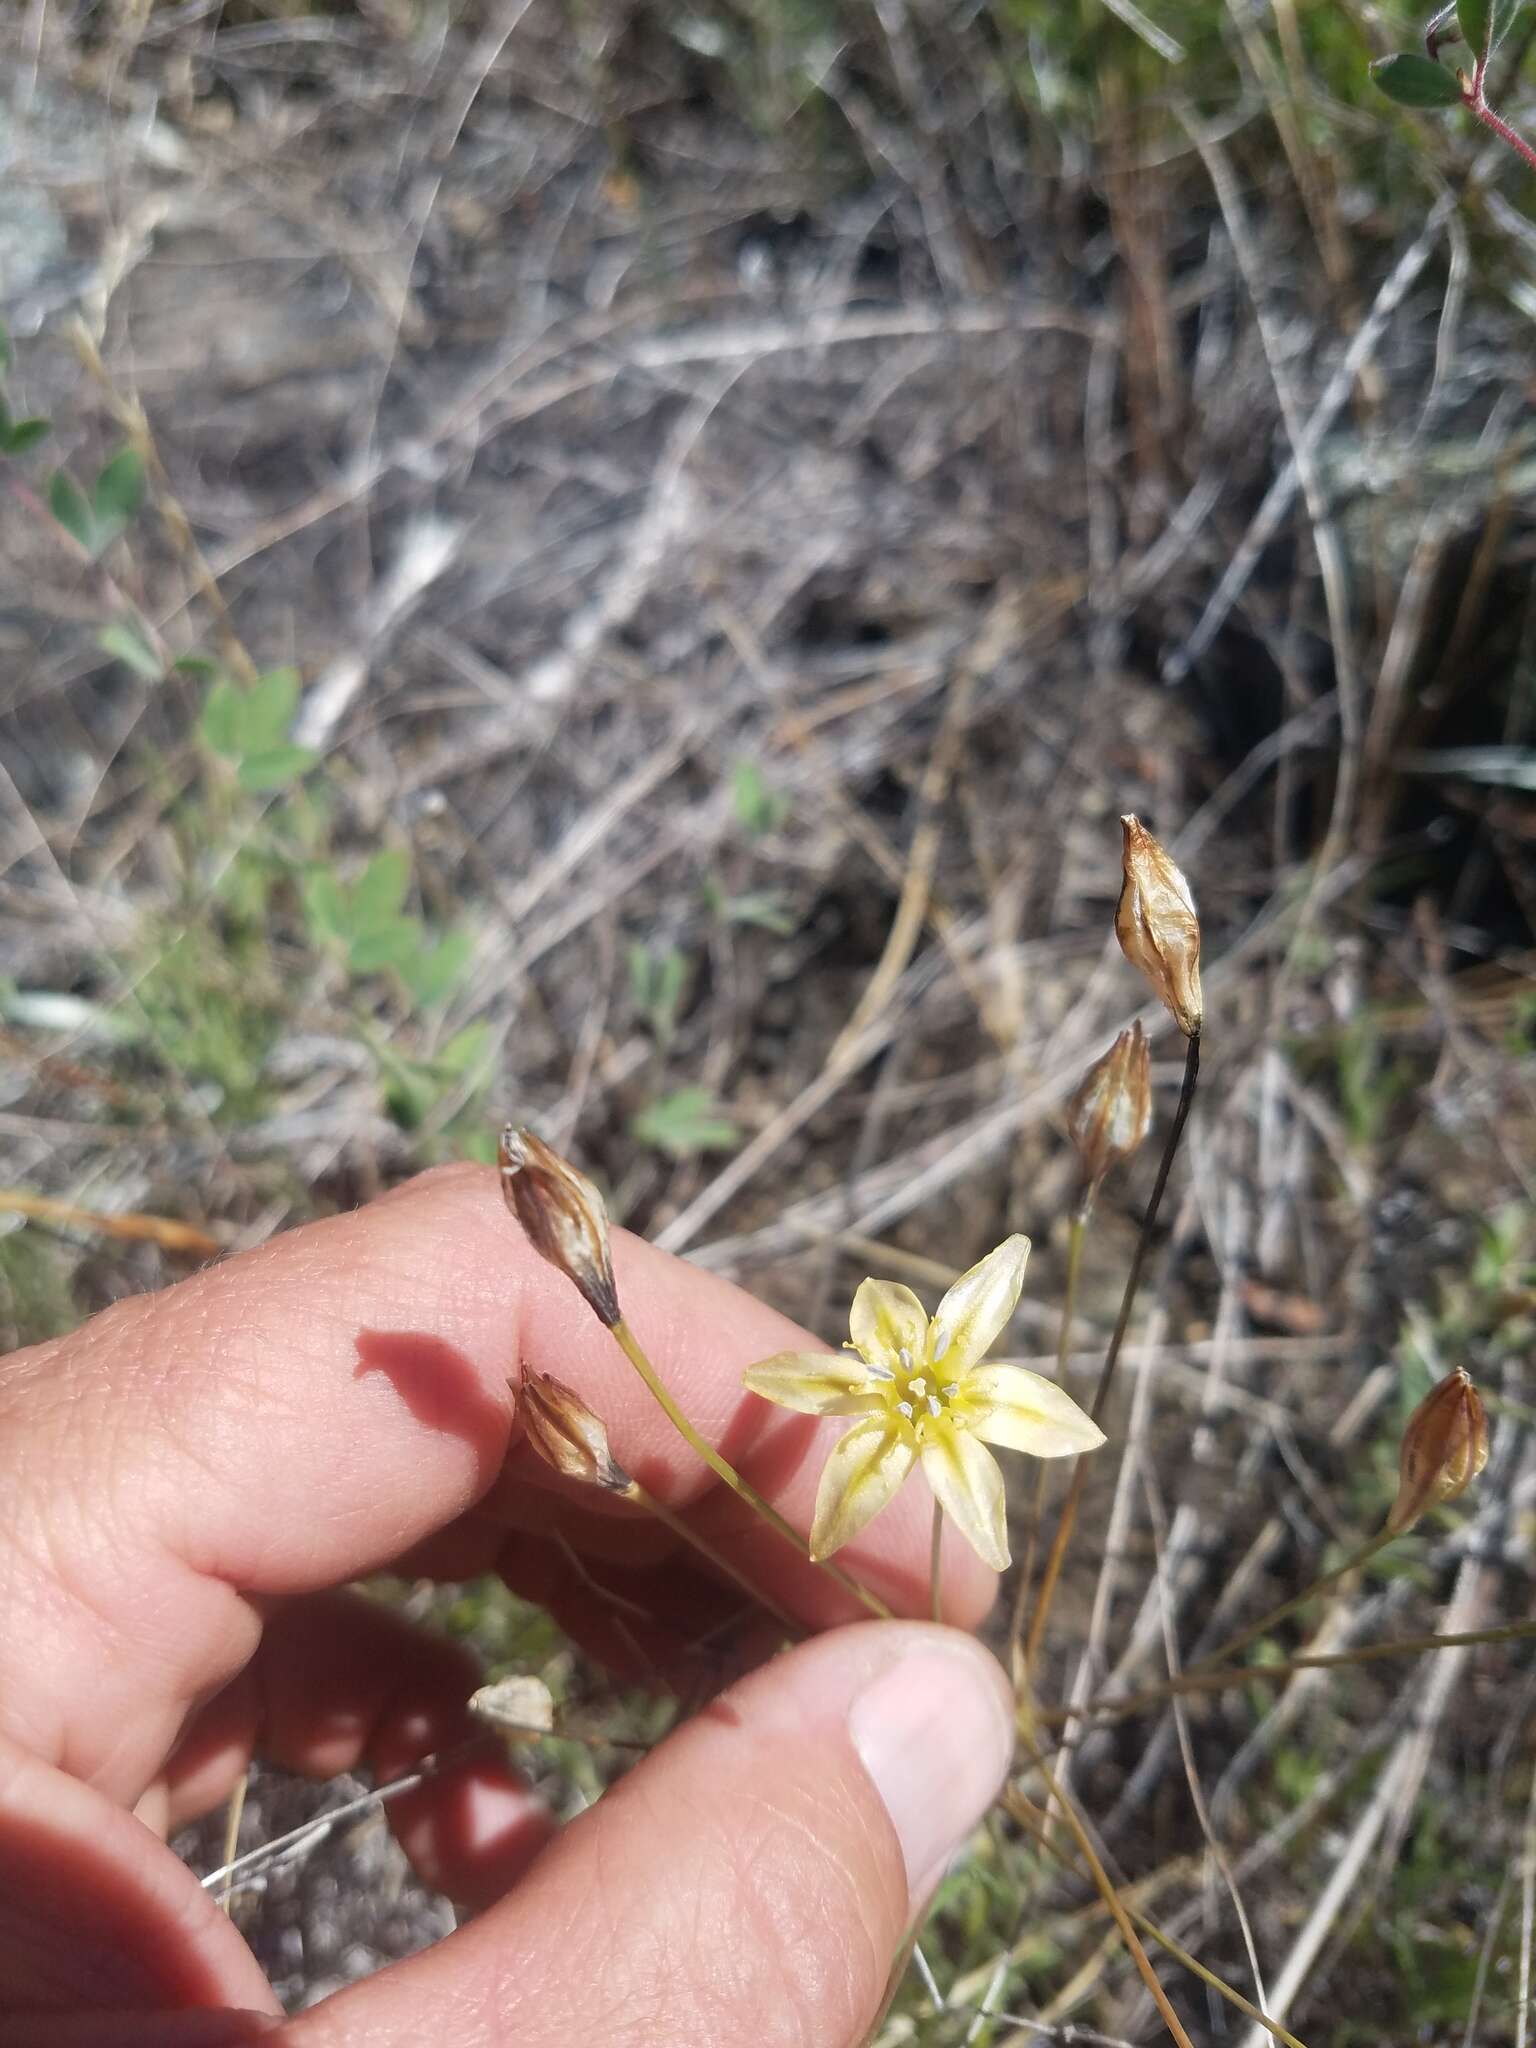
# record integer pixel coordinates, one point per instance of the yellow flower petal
(968, 1486)
(861, 1475)
(975, 1312)
(885, 1320)
(1023, 1412)
(814, 1383)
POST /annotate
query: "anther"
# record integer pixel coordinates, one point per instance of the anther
(904, 1408)
(935, 1405)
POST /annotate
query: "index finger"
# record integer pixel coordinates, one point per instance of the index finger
(306, 1412)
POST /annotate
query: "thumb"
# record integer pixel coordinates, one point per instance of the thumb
(750, 1881)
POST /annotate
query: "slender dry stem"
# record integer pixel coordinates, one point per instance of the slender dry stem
(1110, 1896)
(1069, 1506)
(726, 1472)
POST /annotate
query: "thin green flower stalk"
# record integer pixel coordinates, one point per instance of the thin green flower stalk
(1159, 932)
(921, 1392)
(573, 1440)
(566, 1222)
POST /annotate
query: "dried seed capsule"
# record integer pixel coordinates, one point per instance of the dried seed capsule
(563, 1217)
(1108, 1116)
(566, 1434)
(1156, 925)
(1445, 1446)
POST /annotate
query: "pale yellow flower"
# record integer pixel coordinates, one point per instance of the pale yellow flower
(921, 1391)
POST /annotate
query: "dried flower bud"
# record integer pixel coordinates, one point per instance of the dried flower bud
(566, 1434)
(1445, 1446)
(1156, 925)
(563, 1216)
(1108, 1116)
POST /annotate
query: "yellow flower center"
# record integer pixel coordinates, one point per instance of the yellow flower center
(915, 1391)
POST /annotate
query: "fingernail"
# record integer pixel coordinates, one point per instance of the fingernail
(933, 1733)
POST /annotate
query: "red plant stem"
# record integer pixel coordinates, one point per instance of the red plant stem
(1479, 108)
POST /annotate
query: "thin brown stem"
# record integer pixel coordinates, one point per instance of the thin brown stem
(1069, 1506)
(1035, 1821)
(1266, 1622)
(723, 1470)
(642, 1498)
(1111, 1897)
(1199, 1679)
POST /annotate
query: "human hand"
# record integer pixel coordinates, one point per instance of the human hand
(188, 1478)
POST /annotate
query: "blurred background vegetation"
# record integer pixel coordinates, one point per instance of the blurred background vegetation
(614, 565)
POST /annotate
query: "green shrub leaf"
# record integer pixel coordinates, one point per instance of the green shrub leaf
(276, 767)
(125, 643)
(384, 944)
(270, 704)
(324, 905)
(69, 505)
(222, 724)
(119, 491)
(685, 1122)
(1416, 81)
(381, 888)
(465, 1049)
(26, 434)
(437, 970)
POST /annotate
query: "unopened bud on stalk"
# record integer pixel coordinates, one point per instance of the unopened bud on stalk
(1156, 925)
(566, 1434)
(1108, 1116)
(563, 1217)
(1445, 1446)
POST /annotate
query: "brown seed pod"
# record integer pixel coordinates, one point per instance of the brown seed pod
(1445, 1446)
(1157, 927)
(563, 1216)
(1108, 1116)
(566, 1434)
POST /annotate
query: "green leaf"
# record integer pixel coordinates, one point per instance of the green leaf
(202, 666)
(437, 970)
(383, 944)
(465, 1049)
(26, 434)
(276, 767)
(765, 908)
(758, 808)
(69, 505)
(1475, 18)
(324, 905)
(381, 888)
(221, 725)
(683, 1123)
(1485, 23)
(269, 707)
(1415, 81)
(5, 348)
(119, 491)
(127, 644)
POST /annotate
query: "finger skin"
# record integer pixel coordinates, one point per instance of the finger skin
(744, 1884)
(309, 1411)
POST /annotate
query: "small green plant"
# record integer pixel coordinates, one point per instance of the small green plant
(17, 436)
(684, 1123)
(1428, 85)
(759, 809)
(100, 516)
(656, 977)
(248, 726)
